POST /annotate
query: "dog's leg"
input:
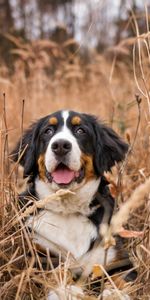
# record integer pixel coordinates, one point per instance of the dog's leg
(69, 292)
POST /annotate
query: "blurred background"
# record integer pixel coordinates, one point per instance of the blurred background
(87, 55)
(73, 54)
(96, 23)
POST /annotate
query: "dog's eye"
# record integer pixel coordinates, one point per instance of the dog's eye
(49, 131)
(80, 131)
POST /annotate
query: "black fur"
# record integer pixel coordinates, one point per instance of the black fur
(105, 203)
(30, 146)
(109, 148)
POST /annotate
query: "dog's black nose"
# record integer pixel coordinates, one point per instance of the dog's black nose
(61, 147)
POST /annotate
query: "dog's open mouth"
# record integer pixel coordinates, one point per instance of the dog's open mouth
(62, 175)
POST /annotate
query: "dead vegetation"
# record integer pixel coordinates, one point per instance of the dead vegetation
(48, 79)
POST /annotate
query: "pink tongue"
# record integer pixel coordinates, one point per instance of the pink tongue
(63, 176)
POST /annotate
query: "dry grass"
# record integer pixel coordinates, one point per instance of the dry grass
(100, 87)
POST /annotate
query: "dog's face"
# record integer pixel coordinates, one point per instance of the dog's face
(67, 149)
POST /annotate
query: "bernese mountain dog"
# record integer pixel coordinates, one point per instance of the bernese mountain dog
(71, 150)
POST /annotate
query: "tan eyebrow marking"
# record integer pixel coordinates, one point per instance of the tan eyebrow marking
(53, 121)
(76, 120)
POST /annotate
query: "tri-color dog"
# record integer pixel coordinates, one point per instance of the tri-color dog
(71, 150)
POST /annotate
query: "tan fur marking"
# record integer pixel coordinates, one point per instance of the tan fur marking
(53, 121)
(40, 248)
(119, 281)
(76, 120)
(41, 165)
(87, 162)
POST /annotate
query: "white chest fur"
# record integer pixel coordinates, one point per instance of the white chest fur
(64, 226)
(77, 203)
(73, 232)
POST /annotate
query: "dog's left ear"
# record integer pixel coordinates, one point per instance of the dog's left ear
(26, 150)
(109, 148)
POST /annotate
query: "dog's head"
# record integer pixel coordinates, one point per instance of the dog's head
(66, 149)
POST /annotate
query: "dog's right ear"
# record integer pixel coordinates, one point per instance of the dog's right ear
(25, 150)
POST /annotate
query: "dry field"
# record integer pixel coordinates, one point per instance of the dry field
(46, 78)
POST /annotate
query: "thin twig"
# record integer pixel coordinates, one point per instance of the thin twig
(103, 274)
(123, 166)
(21, 125)
(17, 162)
(111, 281)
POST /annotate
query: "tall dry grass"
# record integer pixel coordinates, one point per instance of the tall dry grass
(48, 78)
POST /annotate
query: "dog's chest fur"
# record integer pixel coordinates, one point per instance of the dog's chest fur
(71, 225)
(73, 233)
(65, 222)
(77, 202)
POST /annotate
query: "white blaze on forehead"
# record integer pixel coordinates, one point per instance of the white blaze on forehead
(65, 115)
(74, 157)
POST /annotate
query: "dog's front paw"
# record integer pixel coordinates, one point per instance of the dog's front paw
(111, 294)
(69, 292)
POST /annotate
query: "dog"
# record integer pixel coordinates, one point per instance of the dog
(71, 150)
